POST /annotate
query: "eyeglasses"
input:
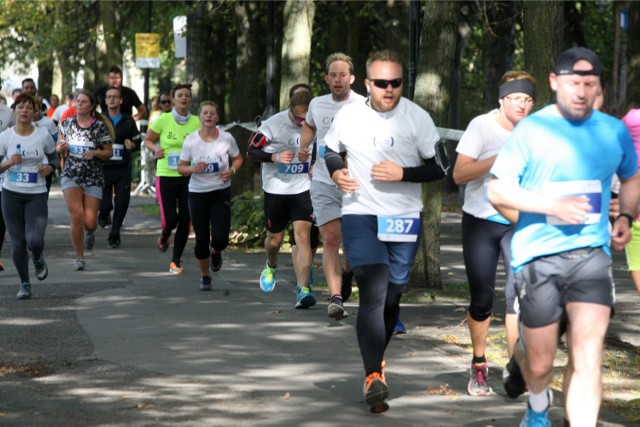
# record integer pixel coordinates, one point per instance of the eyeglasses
(518, 100)
(296, 118)
(382, 83)
(166, 101)
(112, 97)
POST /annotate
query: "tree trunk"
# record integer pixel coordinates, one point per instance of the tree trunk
(433, 85)
(203, 49)
(296, 45)
(109, 43)
(543, 42)
(633, 57)
(246, 100)
(45, 76)
(498, 46)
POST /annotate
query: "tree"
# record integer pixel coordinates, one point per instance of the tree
(296, 45)
(543, 42)
(433, 86)
(633, 57)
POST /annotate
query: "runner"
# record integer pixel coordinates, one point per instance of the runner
(205, 157)
(87, 138)
(485, 233)
(390, 145)
(285, 182)
(561, 245)
(24, 201)
(325, 195)
(172, 189)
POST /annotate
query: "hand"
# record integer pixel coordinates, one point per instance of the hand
(159, 153)
(16, 159)
(614, 208)
(199, 167)
(129, 144)
(620, 234)
(303, 154)
(572, 209)
(344, 181)
(45, 170)
(62, 147)
(89, 154)
(285, 157)
(227, 174)
(388, 171)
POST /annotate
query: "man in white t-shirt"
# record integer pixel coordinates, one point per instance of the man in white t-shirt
(326, 197)
(390, 145)
(285, 182)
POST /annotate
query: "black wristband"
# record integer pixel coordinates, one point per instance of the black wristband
(628, 217)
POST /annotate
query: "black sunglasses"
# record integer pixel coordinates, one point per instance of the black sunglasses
(166, 101)
(382, 84)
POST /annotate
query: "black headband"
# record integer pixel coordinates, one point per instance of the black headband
(516, 86)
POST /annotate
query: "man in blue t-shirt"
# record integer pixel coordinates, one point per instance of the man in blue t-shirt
(556, 170)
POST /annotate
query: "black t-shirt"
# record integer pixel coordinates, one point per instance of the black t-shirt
(129, 100)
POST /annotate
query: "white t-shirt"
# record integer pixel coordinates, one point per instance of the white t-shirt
(322, 110)
(59, 111)
(7, 119)
(278, 178)
(24, 177)
(405, 135)
(48, 124)
(483, 138)
(215, 154)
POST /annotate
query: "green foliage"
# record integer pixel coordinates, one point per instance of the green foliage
(247, 220)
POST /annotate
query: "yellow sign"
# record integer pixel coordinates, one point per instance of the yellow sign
(148, 50)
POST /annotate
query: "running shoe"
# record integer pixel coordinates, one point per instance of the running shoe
(536, 419)
(513, 380)
(176, 267)
(305, 298)
(216, 260)
(399, 329)
(268, 278)
(375, 392)
(347, 285)
(104, 221)
(24, 292)
(205, 284)
(478, 385)
(113, 242)
(79, 264)
(42, 271)
(336, 310)
(163, 245)
(1, 266)
(89, 240)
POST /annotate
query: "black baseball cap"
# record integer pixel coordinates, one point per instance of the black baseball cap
(567, 59)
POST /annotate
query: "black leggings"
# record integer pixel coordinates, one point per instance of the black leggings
(482, 243)
(378, 313)
(211, 219)
(173, 198)
(26, 217)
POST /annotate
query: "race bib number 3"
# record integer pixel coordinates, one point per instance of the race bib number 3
(398, 229)
(293, 168)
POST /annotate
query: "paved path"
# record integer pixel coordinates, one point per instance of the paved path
(127, 343)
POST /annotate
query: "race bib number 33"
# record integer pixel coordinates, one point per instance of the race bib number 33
(398, 229)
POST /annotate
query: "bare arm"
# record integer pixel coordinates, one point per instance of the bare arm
(306, 137)
(629, 198)
(467, 168)
(150, 142)
(141, 114)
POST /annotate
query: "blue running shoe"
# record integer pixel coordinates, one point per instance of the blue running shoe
(400, 329)
(24, 292)
(305, 298)
(268, 278)
(535, 419)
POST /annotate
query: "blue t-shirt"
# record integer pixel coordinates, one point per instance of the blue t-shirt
(555, 157)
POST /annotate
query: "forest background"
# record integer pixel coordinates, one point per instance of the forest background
(246, 54)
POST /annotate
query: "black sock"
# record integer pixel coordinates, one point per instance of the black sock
(479, 360)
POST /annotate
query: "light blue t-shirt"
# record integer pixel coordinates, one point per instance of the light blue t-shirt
(555, 157)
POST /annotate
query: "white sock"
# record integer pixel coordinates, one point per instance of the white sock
(539, 402)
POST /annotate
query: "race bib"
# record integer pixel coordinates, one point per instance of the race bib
(293, 168)
(172, 160)
(118, 152)
(591, 189)
(398, 229)
(24, 176)
(78, 147)
(212, 168)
